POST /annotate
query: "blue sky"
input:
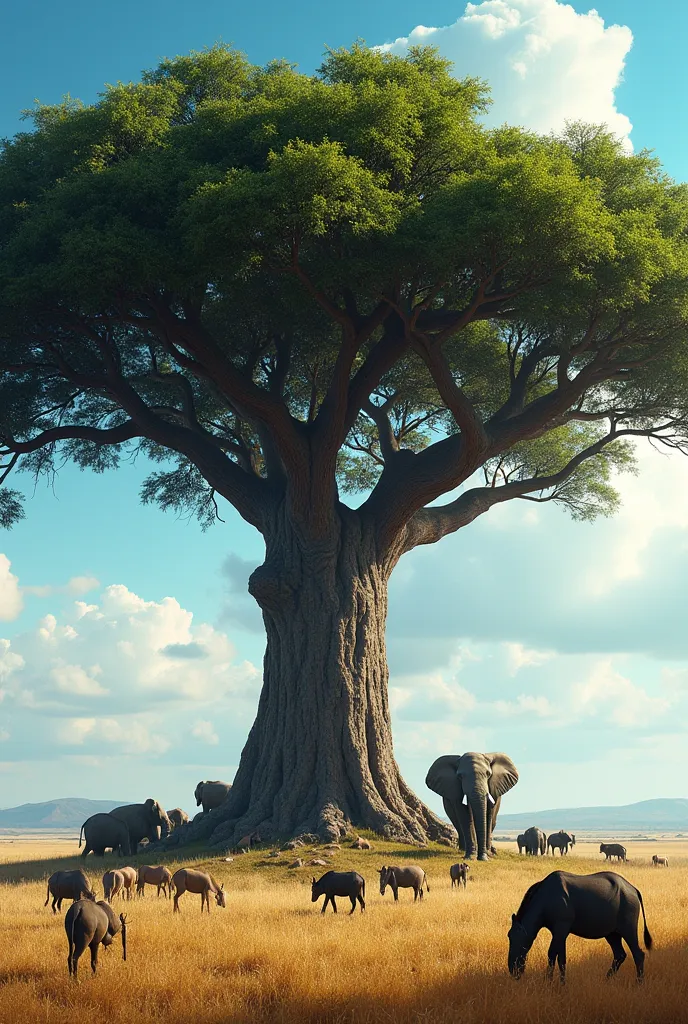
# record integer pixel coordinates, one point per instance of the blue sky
(563, 644)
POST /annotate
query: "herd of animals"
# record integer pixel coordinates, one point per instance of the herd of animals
(601, 905)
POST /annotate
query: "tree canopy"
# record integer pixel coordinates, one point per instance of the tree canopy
(282, 287)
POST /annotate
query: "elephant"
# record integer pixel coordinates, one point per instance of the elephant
(177, 817)
(535, 841)
(143, 821)
(103, 832)
(468, 783)
(211, 794)
(521, 842)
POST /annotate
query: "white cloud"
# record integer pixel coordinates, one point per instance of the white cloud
(519, 656)
(128, 653)
(654, 500)
(11, 602)
(129, 736)
(525, 704)
(205, 732)
(544, 62)
(78, 680)
(77, 585)
(607, 692)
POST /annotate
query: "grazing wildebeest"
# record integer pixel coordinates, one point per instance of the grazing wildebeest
(459, 874)
(113, 883)
(90, 924)
(130, 876)
(397, 878)
(611, 850)
(68, 885)
(660, 861)
(599, 906)
(160, 876)
(560, 841)
(189, 880)
(339, 883)
(521, 842)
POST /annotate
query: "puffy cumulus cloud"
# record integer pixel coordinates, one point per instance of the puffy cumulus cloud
(125, 653)
(130, 736)
(544, 62)
(614, 695)
(205, 732)
(617, 585)
(11, 602)
(525, 704)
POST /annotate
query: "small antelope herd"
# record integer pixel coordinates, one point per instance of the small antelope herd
(91, 923)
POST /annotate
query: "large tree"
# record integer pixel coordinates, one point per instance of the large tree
(282, 288)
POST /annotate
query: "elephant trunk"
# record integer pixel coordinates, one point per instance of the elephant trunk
(479, 809)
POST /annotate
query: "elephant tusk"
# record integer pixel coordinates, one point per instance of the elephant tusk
(491, 798)
(465, 800)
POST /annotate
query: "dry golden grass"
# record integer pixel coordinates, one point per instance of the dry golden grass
(270, 956)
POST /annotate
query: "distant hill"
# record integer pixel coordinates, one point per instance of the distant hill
(70, 812)
(647, 815)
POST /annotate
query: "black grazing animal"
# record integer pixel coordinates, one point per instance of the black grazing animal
(339, 883)
(599, 906)
(68, 885)
(560, 841)
(611, 850)
(535, 841)
(90, 924)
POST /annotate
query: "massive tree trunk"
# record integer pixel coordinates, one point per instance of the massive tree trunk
(319, 756)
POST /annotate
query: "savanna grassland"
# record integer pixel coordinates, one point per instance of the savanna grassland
(270, 956)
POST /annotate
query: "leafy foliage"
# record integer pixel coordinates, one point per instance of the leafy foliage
(273, 282)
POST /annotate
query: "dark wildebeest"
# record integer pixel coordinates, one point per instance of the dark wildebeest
(90, 924)
(160, 876)
(599, 906)
(660, 861)
(397, 878)
(189, 880)
(339, 883)
(68, 885)
(560, 841)
(611, 850)
(459, 874)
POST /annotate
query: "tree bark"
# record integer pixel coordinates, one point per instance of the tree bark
(319, 757)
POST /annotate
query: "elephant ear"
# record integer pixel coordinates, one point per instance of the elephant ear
(504, 774)
(149, 804)
(442, 777)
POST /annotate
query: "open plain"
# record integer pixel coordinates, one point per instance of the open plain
(270, 956)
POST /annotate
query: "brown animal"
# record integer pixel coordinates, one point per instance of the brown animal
(247, 842)
(189, 880)
(89, 924)
(177, 817)
(397, 878)
(113, 883)
(160, 876)
(68, 885)
(660, 861)
(459, 874)
(130, 875)
(360, 844)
